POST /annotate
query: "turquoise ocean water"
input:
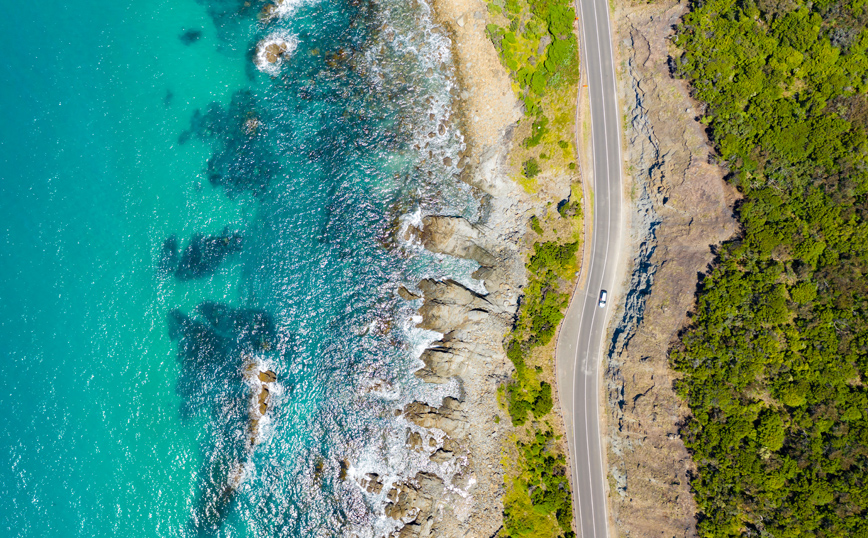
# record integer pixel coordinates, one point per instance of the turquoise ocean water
(170, 213)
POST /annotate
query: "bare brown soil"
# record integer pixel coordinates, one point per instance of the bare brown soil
(685, 203)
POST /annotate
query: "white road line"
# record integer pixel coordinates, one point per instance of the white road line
(577, 491)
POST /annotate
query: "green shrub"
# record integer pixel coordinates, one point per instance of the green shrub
(543, 402)
(538, 130)
(553, 256)
(535, 226)
(531, 168)
(774, 365)
(512, 6)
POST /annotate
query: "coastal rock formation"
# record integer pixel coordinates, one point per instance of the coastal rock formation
(462, 493)
(681, 207)
(272, 51)
(453, 236)
(448, 358)
(449, 417)
(467, 502)
(449, 304)
(262, 384)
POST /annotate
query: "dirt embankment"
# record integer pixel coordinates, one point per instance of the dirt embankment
(679, 208)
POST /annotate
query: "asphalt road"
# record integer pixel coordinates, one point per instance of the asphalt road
(581, 340)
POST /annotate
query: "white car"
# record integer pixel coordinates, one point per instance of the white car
(602, 298)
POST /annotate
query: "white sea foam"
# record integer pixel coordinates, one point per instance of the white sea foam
(287, 8)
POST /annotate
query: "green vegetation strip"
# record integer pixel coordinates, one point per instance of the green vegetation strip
(538, 500)
(536, 43)
(774, 362)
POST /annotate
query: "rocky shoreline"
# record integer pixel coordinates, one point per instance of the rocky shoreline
(471, 349)
(466, 436)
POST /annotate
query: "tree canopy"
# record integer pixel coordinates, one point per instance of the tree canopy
(775, 358)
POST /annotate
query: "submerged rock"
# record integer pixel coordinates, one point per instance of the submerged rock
(272, 51)
(204, 254)
(188, 37)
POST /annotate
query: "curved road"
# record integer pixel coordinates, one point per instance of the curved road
(582, 336)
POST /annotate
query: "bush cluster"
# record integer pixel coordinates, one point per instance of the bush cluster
(530, 23)
(545, 490)
(774, 363)
(537, 45)
(538, 503)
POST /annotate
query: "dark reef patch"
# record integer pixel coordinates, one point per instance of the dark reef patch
(215, 344)
(243, 158)
(202, 257)
(212, 346)
(205, 253)
(188, 37)
(168, 257)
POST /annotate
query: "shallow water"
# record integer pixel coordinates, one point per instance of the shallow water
(170, 213)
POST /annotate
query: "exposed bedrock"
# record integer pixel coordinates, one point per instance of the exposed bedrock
(414, 502)
(460, 494)
(449, 417)
(681, 206)
(466, 499)
(456, 237)
(449, 357)
(449, 305)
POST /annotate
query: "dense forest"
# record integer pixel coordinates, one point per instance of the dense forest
(774, 363)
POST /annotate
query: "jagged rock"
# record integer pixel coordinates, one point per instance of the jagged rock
(441, 456)
(456, 237)
(414, 441)
(451, 445)
(263, 396)
(407, 295)
(410, 530)
(450, 357)
(440, 365)
(267, 376)
(414, 498)
(449, 305)
(272, 51)
(372, 483)
(449, 417)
